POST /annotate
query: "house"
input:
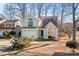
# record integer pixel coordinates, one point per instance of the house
(37, 27)
(77, 27)
(7, 25)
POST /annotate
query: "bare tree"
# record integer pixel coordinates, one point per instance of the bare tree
(74, 7)
(2, 16)
(39, 8)
(15, 10)
(21, 7)
(32, 7)
(62, 17)
(46, 8)
(9, 11)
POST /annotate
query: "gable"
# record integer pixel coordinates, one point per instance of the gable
(46, 20)
(36, 21)
(18, 23)
(51, 25)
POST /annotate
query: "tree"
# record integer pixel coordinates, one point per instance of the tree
(68, 29)
(39, 8)
(15, 10)
(22, 9)
(32, 8)
(46, 8)
(73, 44)
(74, 7)
(65, 11)
(9, 11)
(2, 16)
(62, 17)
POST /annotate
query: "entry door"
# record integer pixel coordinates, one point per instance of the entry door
(42, 33)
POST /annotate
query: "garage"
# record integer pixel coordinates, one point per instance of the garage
(29, 33)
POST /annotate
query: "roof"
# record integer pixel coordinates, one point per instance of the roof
(7, 21)
(1, 21)
(46, 20)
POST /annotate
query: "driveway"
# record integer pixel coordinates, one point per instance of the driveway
(4, 43)
(37, 48)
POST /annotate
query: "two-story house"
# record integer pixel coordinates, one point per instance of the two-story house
(37, 27)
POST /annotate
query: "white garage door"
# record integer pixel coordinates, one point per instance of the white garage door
(29, 33)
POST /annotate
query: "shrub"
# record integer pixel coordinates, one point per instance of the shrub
(72, 44)
(19, 43)
(5, 34)
(12, 33)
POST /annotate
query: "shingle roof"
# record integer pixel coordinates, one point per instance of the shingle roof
(46, 20)
(7, 22)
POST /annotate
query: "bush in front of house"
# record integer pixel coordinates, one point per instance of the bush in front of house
(19, 43)
(5, 34)
(51, 38)
(12, 33)
(72, 44)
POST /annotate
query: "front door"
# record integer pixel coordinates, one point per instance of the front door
(42, 33)
(49, 32)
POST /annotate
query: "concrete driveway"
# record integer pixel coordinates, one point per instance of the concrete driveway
(37, 48)
(4, 43)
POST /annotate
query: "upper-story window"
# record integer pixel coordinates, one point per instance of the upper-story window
(30, 22)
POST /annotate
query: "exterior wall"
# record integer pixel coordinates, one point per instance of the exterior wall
(18, 23)
(53, 29)
(34, 32)
(30, 33)
(36, 22)
(7, 24)
(2, 30)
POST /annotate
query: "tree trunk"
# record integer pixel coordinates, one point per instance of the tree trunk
(74, 23)
(61, 23)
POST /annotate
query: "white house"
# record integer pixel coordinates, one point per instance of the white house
(38, 27)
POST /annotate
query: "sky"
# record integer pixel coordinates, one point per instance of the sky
(2, 5)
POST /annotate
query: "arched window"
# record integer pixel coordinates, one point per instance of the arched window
(30, 22)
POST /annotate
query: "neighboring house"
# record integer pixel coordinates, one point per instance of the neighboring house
(7, 25)
(1, 21)
(77, 27)
(37, 27)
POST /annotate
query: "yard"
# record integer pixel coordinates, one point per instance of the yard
(38, 48)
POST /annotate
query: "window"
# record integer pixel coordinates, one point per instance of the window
(42, 32)
(30, 22)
